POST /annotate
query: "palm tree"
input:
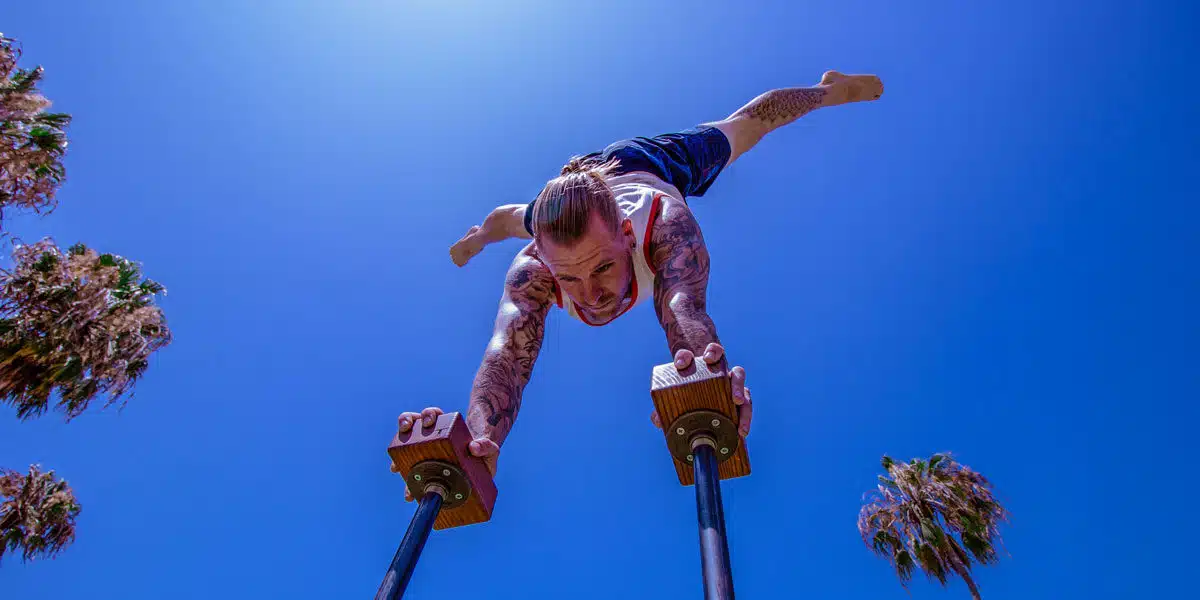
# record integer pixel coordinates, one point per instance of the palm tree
(32, 141)
(75, 324)
(78, 323)
(937, 515)
(37, 513)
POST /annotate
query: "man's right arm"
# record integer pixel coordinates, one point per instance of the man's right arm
(516, 340)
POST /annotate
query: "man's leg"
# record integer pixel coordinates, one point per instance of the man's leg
(777, 108)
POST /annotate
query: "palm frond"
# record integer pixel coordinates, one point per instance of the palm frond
(905, 565)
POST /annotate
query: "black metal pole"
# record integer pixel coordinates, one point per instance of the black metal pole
(406, 557)
(714, 550)
(721, 521)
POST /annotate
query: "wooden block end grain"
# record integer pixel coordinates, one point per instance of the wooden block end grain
(699, 387)
(447, 440)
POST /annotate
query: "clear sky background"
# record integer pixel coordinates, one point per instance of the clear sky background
(997, 259)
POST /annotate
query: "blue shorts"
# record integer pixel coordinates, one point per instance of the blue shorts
(690, 160)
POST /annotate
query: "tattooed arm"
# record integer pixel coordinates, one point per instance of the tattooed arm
(514, 346)
(680, 263)
(779, 107)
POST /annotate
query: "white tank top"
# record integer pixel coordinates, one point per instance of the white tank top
(639, 199)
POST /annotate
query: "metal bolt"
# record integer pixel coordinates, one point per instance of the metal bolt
(417, 477)
(681, 431)
(724, 450)
(458, 496)
(446, 472)
(689, 458)
(716, 422)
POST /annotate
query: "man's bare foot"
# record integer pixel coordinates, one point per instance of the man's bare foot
(844, 89)
(466, 248)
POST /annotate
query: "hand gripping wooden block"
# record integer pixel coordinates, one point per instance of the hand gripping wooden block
(439, 455)
(698, 401)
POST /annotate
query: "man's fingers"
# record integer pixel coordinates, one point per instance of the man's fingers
(484, 447)
(713, 353)
(429, 416)
(745, 413)
(683, 358)
(488, 450)
(426, 418)
(737, 377)
(407, 494)
(654, 418)
(407, 419)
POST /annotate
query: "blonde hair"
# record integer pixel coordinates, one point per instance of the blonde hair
(563, 209)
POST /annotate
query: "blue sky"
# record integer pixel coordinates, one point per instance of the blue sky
(996, 259)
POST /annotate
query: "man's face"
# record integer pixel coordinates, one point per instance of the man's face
(597, 271)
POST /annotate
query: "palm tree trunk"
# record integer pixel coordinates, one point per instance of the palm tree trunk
(966, 576)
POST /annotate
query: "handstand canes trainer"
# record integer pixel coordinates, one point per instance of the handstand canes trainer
(700, 427)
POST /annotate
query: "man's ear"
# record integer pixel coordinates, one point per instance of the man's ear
(627, 229)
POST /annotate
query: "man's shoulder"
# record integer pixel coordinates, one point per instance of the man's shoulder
(674, 217)
(675, 228)
(529, 277)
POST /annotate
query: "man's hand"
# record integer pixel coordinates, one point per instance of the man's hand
(680, 262)
(713, 354)
(482, 447)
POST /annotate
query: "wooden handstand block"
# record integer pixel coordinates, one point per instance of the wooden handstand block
(684, 399)
(438, 455)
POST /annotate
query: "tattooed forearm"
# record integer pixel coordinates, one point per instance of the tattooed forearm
(680, 262)
(508, 361)
(780, 107)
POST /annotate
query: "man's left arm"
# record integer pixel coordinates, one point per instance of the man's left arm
(680, 262)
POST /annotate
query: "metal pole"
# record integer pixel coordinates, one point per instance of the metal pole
(724, 536)
(714, 551)
(406, 557)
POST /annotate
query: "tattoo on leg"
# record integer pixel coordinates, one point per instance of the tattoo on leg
(778, 107)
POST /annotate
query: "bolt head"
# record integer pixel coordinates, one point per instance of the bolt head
(417, 477)
(724, 450)
(681, 431)
(445, 472)
(716, 422)
(689, 458)
(458, 496)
